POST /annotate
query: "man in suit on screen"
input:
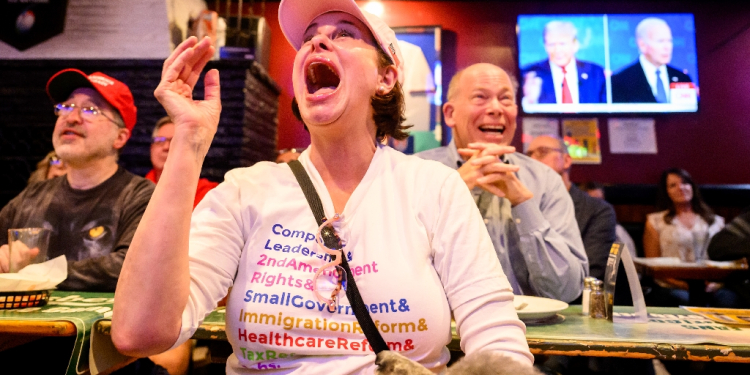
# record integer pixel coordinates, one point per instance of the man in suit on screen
(648, 79)
(562, 78)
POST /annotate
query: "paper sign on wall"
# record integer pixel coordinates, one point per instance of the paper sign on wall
(536, 126)
(582, 138)
(632, 136)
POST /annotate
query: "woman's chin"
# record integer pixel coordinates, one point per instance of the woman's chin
(316, 119)
(320, 115)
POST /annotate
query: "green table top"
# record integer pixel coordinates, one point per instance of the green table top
(668, 325)
(671, 333)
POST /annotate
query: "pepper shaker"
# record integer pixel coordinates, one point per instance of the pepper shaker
(586, 294)
(596, 300)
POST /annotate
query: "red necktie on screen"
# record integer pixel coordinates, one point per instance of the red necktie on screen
(566, 96)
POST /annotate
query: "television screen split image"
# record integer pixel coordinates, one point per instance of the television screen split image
(608, 63)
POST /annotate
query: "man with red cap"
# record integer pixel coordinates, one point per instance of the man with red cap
(94, 209)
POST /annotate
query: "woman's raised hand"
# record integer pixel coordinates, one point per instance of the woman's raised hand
(195, 120)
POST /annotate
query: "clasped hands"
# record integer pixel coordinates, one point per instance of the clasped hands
(484, 168)
(20, 258)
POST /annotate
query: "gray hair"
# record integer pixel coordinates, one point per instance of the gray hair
(641, 31)
(118, 119)
(560, 27)
(560, 141)
(563, 146)
(162, 121)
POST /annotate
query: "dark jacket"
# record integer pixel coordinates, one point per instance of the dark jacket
(731, 243)
(596, 221)
(631, 86)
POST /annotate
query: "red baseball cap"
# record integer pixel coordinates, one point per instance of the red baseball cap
(116, 93)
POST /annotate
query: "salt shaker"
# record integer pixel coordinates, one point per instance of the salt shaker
(596, 301)
(585, 296)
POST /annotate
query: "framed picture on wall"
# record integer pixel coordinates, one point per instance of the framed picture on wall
(422, 85)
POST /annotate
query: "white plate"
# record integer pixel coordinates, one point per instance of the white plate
(529, 307)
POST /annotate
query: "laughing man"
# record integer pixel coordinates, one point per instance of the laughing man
(527, 209)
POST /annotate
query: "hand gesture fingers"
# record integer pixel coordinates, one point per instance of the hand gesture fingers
(212, 88)
(188, 43)
(512, 188)
(185, 66)
(468, 153)
(468, 171)
(499, 167)
(491, 148)
(493, 184)
(194, 120)
(204, 53)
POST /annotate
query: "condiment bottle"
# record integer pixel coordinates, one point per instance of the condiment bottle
(596, 301)
(586, 293)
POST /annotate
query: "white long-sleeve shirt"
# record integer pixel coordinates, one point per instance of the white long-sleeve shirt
(414, 240)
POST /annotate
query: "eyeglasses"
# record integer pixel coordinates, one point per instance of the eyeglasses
(87, 113)
(333, 280)
(543, 151)
(160, 140)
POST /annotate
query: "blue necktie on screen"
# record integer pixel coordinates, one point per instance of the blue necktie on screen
(661, 94)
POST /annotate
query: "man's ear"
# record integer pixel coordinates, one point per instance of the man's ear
(448, 114)
(388, 78)
(123, 134)
(641, 45)
(568, 161)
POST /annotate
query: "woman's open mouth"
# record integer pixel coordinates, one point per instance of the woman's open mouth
(321, 77)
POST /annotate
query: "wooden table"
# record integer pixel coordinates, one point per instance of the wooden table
(695, 274)
(68, 315)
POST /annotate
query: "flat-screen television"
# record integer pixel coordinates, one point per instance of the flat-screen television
(607, 63)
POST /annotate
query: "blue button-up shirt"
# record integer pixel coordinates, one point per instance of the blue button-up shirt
(538, 241)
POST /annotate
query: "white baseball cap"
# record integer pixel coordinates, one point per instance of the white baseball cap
(296, 15)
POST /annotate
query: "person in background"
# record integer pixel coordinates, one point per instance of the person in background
(685, 225)
(94, 209)
(288, 154)
(525, 205)
(412, 221)
(648, 80)
(595, 217)
(596, 190)
(562, 78)
(49, 167)
(682, 229)
(160, 142)
(732, 243)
